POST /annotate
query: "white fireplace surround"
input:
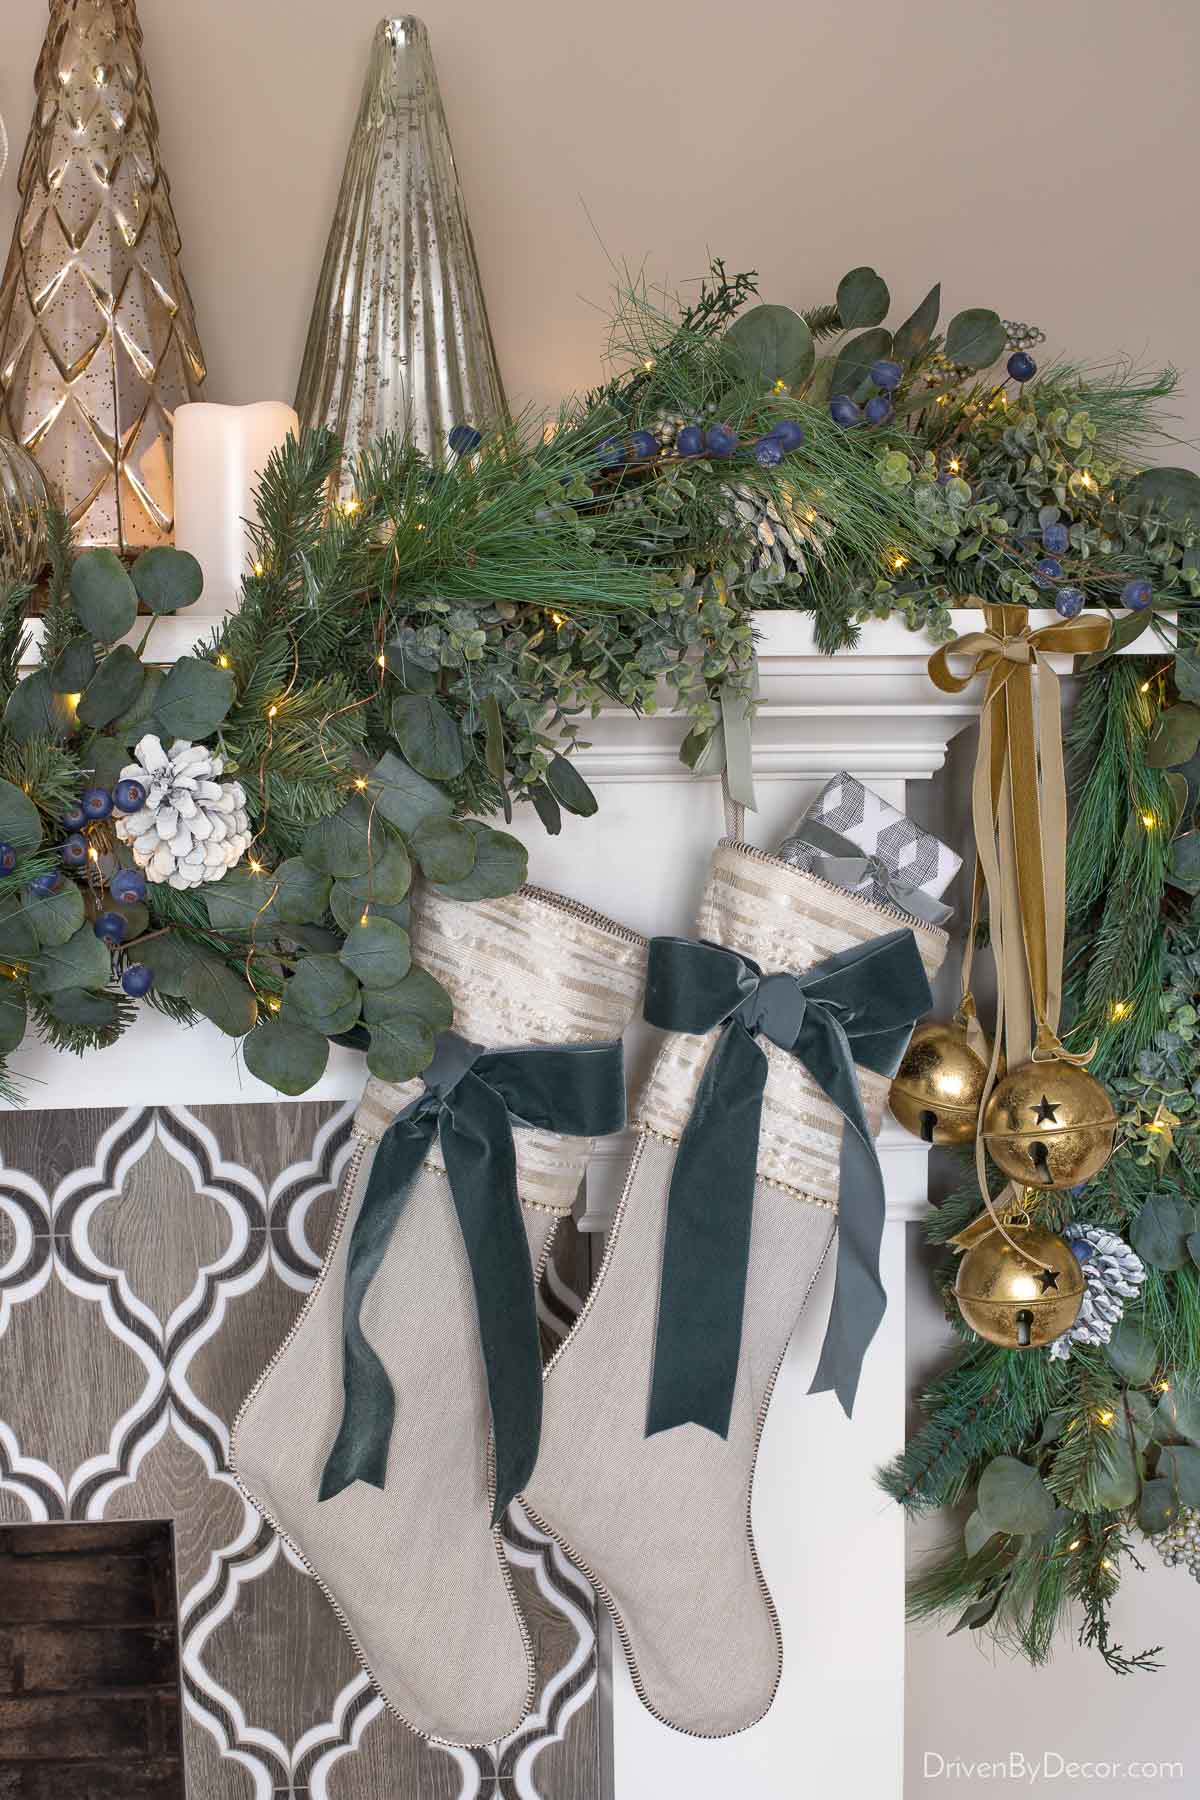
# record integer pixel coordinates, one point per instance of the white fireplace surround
(831, 1545)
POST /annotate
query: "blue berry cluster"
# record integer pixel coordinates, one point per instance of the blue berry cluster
(127, 886)
(887, 376)
(722, 442)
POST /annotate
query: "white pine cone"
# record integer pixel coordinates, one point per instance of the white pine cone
(192, 828)
(1113, 1274)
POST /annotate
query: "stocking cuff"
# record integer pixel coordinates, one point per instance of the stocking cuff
(531, 968)
(785, 919)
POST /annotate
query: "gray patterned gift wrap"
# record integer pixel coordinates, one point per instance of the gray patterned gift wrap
(898, 855)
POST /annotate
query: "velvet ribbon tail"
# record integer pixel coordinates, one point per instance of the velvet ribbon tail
(861, 1006)
(472, 1099)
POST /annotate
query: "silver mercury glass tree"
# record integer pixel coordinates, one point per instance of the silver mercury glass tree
(399, 338)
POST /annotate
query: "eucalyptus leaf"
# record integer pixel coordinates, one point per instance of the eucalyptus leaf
(1177, 1415)
(303, 892)
(569, 788)
(348, 906)
(547, 809)
(389, 877)
(416, 674)
(913, 336)
(1135, 1418)
(166, 579)
(325, 994)
(169, 958)
(112, 690)
(289, 1057)
(772, 343)
(1115, 1483)
(18, 939)
(1172, 492)
(241, 903)
(1183, 862)
(1125, 631)
(862, 298)
(82, 961)
(1177, 787)
(501, 865)
(103, 759)
(1013, 1497)
(341, 844)
(403, 797)
(1175, 736)
(13, 1016)
(400, 1047)
(20, 822)
(978, 1614)
(444, 848)
(55, 917)
(378, 953)
(852, 370)
(428, 736)
(1157, 1506)
(219, 994)
(493, 726)
(104, 597)
(1180, 1464)
(1187, 674)
(81, 1007)
(73, 667)
(977, 1533)
(35, 710)
(418, 993)
(139, 718)
(1132, 1352)
(194, 698)
(1160, 1232)
(975, 339)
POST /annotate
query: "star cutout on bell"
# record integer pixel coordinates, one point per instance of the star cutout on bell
(1046, 1112)
(1048, 1279)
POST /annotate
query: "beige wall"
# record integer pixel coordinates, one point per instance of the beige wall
(1039, 159)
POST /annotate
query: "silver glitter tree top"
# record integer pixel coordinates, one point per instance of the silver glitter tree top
(399, 338)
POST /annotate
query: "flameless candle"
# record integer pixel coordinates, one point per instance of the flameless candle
(220, 452)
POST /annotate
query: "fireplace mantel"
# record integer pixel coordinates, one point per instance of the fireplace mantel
(832, 1547)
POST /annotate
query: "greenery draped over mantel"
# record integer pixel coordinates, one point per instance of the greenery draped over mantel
(410, 663)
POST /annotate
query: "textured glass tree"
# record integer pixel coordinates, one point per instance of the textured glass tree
(399, 338)
(98, 341)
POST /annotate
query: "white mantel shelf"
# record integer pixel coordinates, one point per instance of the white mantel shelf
(642, 860)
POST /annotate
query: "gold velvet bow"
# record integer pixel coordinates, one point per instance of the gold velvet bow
(1019, 810)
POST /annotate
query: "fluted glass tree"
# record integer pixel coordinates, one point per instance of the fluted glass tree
(399, 338)
(98, 340)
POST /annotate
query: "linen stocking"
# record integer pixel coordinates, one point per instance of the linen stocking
(661, 1524)
(414, 1568)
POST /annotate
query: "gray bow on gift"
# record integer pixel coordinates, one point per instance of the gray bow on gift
(838, 859)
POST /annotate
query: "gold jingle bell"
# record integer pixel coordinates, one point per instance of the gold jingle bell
(939, 1084)
(1019, 1304)
(1049, 1124)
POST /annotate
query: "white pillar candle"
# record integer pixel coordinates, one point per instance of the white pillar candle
(220, 452)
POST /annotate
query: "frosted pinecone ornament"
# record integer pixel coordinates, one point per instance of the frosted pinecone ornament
(191, 827)
(1112, 1274)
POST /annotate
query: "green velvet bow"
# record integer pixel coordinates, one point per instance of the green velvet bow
(859, 1006)
(472, 1098)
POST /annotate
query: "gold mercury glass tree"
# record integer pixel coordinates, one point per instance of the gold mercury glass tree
(399, 338)
(98, 340)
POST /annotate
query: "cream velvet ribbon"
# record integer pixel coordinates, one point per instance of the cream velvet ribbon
(1019, 811)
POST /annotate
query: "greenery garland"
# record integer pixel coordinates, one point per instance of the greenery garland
(433, 649)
